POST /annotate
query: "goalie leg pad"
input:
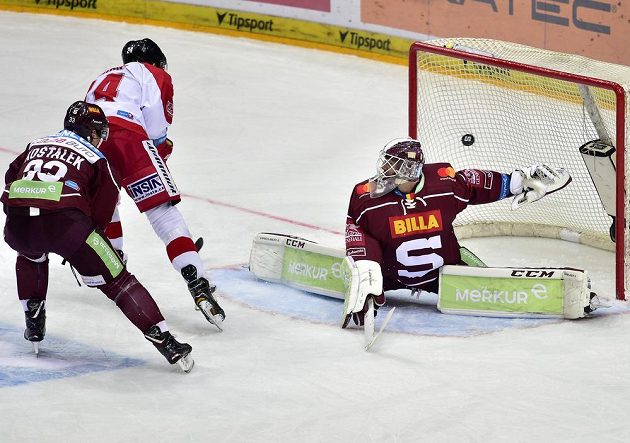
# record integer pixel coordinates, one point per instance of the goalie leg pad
(514, 292)
(299, 263)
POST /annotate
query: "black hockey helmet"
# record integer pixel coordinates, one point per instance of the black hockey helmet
(82, 118)
(144, 51)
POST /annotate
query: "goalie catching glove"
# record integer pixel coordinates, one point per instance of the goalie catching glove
(363, 279)
(533, 183)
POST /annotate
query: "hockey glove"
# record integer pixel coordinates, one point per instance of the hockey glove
(359, 317)
(533, 183)
(165, 149)
(363, 279)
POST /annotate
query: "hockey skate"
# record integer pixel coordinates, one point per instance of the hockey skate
(171, 349)
(596, 302)
(35, 322)
(201, 291)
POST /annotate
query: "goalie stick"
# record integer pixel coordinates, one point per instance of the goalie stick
(370, 337)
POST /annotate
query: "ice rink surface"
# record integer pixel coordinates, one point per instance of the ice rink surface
(272, 138)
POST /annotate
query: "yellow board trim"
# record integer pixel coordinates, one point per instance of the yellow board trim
(196, 18)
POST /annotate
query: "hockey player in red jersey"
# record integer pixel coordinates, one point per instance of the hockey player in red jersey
(138, 101)
(59, 196)
(401, 220)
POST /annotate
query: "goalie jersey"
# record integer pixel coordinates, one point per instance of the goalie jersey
(411, 235)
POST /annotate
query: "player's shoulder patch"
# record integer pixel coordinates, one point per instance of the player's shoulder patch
(439, 170)
(362, 188)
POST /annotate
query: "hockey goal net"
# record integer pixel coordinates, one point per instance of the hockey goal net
(496, 105)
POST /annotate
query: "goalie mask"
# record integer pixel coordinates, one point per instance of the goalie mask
(400, 161)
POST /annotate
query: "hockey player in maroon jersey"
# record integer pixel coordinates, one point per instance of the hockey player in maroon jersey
(59, 196)
(400, 222)
(138, 101)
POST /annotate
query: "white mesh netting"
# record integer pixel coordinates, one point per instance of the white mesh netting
(518, 118)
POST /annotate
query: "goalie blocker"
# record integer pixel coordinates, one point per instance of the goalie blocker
(599, 158)
(514, 292)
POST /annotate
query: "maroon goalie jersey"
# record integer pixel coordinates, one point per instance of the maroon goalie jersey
(411, 235)
(59, 172)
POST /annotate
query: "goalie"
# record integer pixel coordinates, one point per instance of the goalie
(399, 228)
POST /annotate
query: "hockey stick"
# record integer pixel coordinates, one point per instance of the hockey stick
(370, 337)
(388, 317)
(199, 244)
(368, 324)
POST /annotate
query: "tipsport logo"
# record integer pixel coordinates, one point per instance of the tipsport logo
(359, 41)
(71, 4)
(242, 23)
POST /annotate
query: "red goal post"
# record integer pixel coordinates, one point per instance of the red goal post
(499, 105)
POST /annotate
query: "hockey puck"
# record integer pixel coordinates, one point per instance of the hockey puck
(468, 139)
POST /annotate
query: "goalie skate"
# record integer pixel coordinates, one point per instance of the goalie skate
(596, 302)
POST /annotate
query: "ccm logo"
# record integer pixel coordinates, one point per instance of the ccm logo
(295, 243)
(538, 273)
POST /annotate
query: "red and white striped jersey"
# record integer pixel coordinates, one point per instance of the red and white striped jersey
(135, 96)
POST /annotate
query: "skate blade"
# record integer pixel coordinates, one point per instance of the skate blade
(35, 348)
(186, 363)
(599, 302)
(206, 309)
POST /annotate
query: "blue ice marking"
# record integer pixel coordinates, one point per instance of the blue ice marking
(412, 316)
(58, 358)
